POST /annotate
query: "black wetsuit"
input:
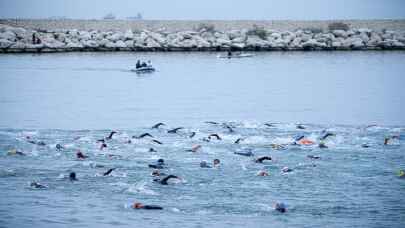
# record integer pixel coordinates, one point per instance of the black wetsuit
(151, 207)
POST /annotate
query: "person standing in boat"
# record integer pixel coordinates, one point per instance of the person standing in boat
(229, 53)
(138, 64)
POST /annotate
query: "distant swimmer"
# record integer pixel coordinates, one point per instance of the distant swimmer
(37, 185)
(80, 155)
(142, 136)
(101, 140)
(269, 124)
(401, 174)
(160, 164)
(174, 131)
(194, 148)
(146, 207)
(152, 150)
(156, 141)
(111, 135)
(157, 173)
(286, 170)
(322, 145)
(326, 135)
(280, 207)
(230, 129)
(108, 172)
(211, 122)
(103, 145)
(247, 153)
(261, 159)
(59, 147)
(214, 135)
(192, 134)
(306, 142)
(204, 164)
(39, 143)
(365, 145)
(238, 141)
(165, 180)
(313, 157)
(262, 173)
(216, 162)
(72, 176)
(15, 152)
(386, 140)
(277, 146)
(301, 127)
(156, 126)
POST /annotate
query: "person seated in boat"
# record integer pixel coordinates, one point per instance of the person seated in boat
(149, 63)
(138, 64)
(229, 53)
(144, 64)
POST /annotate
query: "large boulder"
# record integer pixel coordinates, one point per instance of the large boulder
(340, 33)
(120, 44)
(74, 45)
(4, 43)
(8, 35)
(90, 43)
(312, 43)
(255, 41)
(128, 35)
(151, 43)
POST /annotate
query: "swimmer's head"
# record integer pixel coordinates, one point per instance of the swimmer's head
(156, 172)
(203, 164)
(137, 206)
(286, 169)
(72, 176)
(280, 207)
(262, 173)
(160, 161)
(216, 161)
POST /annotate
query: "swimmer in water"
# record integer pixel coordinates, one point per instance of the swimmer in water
(211, 122)
(326, 135)
(322, 145)
(286, 170)
(192, 134)
(160, 164)
(37, 185)
(301, 127)
(80, 155)
(72, 176)
(59, 147)
(15, 152)
(174, 131)
(203, 164)
(230, 129)
(247, 153)
(152, 150)
(195, 148)
(216, 162)
(261, 159)
(280, 207)
(156, 126)
(156, 141)
(111, 135)
(146, 207)
(142, 136)
(214, 135)
(103, 145)
(313, 157)
(262, 173)
(157, 173)
(108, 172)
(165, 179)
(238, 141)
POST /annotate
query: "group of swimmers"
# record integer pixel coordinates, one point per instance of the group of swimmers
(160, 164)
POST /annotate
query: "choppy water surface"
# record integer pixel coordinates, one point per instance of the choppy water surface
(85, 96)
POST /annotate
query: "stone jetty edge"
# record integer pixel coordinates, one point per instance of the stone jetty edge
(19, 38)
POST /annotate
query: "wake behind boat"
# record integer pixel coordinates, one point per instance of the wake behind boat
(238, 55)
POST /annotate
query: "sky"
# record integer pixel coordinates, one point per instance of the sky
(206, 9)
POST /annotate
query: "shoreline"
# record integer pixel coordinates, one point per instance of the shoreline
(49, 36)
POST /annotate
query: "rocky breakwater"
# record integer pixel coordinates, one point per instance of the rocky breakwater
(16, 40)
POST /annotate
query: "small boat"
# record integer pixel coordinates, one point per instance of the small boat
(147, 69)
(240, 55)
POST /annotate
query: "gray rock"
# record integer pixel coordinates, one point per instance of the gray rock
(120, 44)
(4, 43)
(152, 43)
(128, 35)
(8, 35)
(340, 33)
